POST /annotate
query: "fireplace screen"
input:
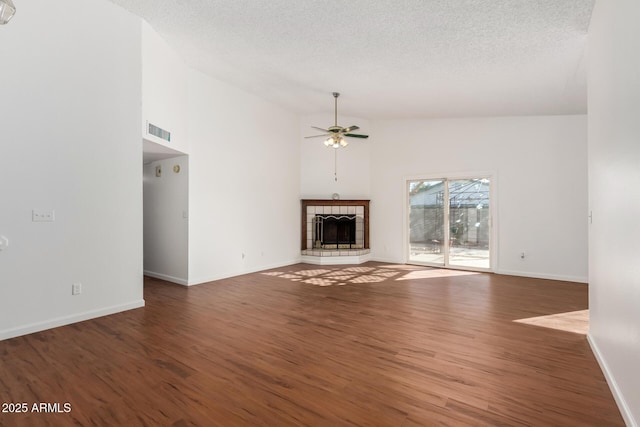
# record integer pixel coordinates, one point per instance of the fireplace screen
(338, 232)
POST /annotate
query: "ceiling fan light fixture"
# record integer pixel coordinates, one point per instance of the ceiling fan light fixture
(336, 141)
(7, 10)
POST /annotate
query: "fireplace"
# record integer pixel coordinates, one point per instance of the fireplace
(335, 228)
(336, 232)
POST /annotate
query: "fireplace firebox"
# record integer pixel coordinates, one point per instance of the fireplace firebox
(335, 232)
(335, 225)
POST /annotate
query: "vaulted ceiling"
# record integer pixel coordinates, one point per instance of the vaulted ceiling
(389, 59)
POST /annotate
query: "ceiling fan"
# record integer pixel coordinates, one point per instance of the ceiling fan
(336, 134)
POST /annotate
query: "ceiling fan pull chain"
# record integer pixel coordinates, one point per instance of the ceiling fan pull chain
(335, 164)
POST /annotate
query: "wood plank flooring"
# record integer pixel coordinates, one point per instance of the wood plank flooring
(367, 345)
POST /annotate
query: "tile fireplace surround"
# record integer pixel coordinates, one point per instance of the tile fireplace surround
(356, 253)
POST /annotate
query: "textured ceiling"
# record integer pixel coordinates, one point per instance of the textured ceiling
(415, 58)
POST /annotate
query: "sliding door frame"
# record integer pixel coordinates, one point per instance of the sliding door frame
(493, 216)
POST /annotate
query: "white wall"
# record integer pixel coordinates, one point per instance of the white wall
(166, 226)
(164, 90)
(541, 170)
(69, 142)
(317, 179)
(614, 198)
(244, 182)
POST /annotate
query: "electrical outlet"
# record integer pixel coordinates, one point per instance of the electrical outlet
(76, 289)
(43, 215)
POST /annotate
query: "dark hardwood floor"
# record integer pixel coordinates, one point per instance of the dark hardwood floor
(368, 345)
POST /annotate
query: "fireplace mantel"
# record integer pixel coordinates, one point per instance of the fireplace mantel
(330, 203)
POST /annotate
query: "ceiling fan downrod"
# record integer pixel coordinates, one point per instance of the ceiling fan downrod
(335, 98)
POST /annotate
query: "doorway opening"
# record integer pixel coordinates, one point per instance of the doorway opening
(165, 213)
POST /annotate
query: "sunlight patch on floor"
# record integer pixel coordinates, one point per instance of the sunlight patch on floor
(573, 321)
(428, 274)
(358, 269)
(319, 281)
(385, 273)
(317, 272)
(340, 276)
(369, 278)
(336, 276)
(402, 267)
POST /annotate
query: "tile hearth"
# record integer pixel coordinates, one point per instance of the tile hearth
(333, 252)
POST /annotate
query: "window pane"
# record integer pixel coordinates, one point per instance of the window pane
(426, 221)
(469, 227)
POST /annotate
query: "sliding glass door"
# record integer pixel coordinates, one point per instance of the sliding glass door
(426, 222)
(450, 222)
(469, 223)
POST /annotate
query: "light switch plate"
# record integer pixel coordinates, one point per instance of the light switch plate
(76, 289)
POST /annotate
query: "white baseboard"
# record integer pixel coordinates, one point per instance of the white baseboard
(200, 281)
(627, 415)
(67, 320)
(166, 277)
(577, 279)
(387, 260)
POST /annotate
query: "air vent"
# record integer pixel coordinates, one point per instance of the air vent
(159, 132)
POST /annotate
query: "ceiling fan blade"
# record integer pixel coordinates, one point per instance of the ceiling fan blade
(324, 135)
(355, 135)
(351, 128)
(320, 129)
